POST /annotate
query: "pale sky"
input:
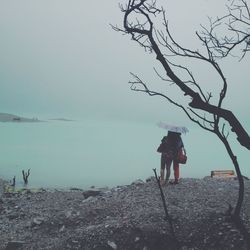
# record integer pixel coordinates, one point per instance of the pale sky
(62, 58)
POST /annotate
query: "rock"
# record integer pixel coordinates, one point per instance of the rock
(92, 193)
(206, 177)
(91, 228)
(12, 216)
(112, 244)
(38, 220)
(62, 229)
(137, 239)
(12, 245)
(68, 214)
(72, 214)
(151, 178)
(128, 217)
(103, 189)
(88, 199)
(234, 230)
(75, 189)
(137, 182)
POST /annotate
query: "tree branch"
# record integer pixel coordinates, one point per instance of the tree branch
(197, 99)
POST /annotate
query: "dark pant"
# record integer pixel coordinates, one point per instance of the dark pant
(166, 161)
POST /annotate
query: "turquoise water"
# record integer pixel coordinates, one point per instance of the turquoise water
(101, 153)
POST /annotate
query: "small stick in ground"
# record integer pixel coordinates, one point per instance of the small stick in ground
(26, 176)
(168, 218)
(13, 184)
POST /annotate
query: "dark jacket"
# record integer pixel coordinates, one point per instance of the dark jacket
(170, 144)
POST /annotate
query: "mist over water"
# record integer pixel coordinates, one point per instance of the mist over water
(55, 64)
(101, 153)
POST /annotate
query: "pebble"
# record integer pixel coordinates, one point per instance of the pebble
(138, 182)
(62, 229)
(12, 245)
(112, 244)
(134, 211)
(38, 220)
(137, 239)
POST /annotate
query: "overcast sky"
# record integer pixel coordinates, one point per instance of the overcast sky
(61, 58)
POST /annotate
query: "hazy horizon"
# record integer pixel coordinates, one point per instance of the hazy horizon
(61, 58)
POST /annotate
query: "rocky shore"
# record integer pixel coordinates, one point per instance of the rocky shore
(125, 217)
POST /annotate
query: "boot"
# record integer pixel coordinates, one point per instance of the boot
(176, 181)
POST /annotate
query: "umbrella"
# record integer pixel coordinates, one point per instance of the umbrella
(173, 128)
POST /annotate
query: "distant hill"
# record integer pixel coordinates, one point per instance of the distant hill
(5, 117)
(62, 119)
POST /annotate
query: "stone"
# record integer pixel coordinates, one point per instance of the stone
(12, 245)
(12, 216)
(38, 220)
(151, 178)
(112, 244)
(91, 193)
(62, 229)
(138, 182)
(75, 189)
(137, 239)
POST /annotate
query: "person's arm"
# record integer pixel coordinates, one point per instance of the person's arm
(180, 144)
(159, 149)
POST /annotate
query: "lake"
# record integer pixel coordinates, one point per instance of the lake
(101, 153)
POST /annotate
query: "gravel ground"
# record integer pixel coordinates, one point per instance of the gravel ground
(125, 217)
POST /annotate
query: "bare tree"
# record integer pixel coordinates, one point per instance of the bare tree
(140, 22)
(237, 25)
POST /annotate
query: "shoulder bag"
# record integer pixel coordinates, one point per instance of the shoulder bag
(181, 156)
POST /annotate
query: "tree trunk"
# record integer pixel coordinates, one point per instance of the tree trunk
(238, 206)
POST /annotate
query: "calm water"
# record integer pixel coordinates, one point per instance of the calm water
(82, 154)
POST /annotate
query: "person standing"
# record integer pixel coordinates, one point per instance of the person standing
(169, 147)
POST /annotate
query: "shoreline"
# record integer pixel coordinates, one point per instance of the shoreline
(5, 184)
